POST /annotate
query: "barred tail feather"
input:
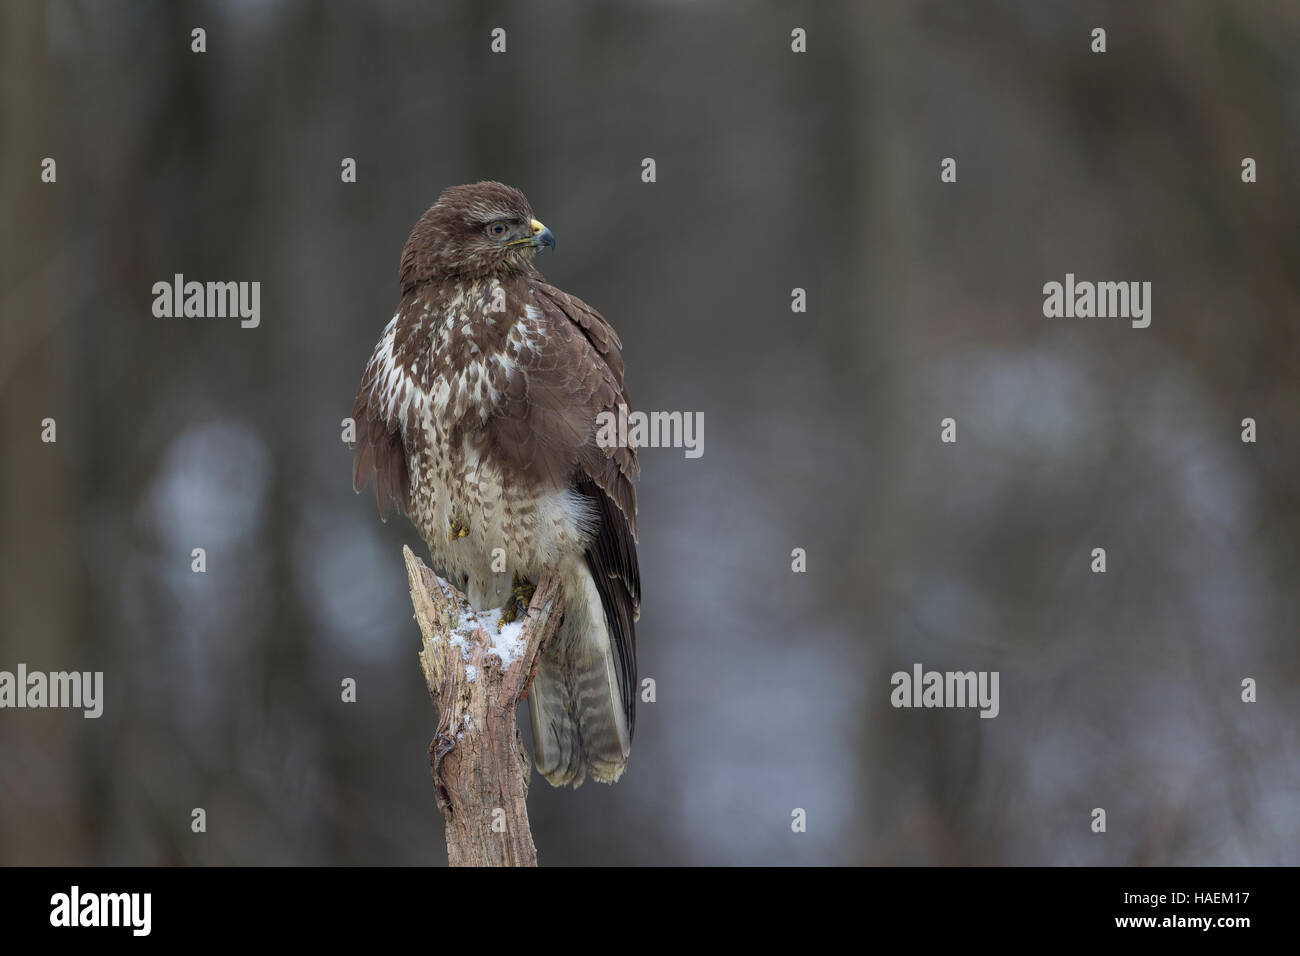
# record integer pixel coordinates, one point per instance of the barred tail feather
(579, 724)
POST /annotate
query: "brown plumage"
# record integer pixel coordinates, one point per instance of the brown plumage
(477, 412)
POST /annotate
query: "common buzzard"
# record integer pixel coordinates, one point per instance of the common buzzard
(477, 417)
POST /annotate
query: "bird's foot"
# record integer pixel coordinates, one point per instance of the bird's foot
(456, 529)
(521, 595)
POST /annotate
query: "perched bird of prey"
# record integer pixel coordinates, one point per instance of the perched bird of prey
(477, 416)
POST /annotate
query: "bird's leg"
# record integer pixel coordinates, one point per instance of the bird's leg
(456, 529)
(521, 595)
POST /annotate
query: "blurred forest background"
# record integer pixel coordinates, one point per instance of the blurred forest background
(776, 170)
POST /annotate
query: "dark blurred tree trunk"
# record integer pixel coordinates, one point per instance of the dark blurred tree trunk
(40, 575)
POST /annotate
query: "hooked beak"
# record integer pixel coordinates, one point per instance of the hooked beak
(541, 235)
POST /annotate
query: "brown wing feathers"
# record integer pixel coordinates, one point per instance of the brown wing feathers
(381, 452)
(605, 480)
(611, 558)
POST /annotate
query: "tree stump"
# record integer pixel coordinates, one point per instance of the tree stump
(477, 676)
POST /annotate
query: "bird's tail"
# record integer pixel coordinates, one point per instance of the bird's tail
(575, 704)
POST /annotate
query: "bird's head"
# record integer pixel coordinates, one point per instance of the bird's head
(483, 229)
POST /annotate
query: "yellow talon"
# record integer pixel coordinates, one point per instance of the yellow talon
(521, 595)
(456, 530)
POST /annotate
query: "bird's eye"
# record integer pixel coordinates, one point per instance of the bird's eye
(497, 229)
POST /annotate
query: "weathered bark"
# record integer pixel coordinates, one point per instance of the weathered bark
(480, 767)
